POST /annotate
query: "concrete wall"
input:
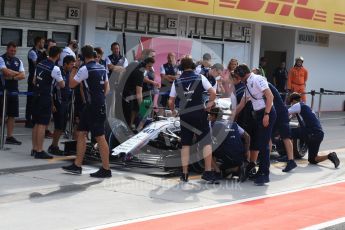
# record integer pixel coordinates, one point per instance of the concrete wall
(326, 69)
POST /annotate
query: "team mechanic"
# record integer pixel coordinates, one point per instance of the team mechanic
(69, 50)
(94, 78)
(169, 73)
(258, 91)
(282, 127)
(61, 104)
(230, 146)
(46, 74)
(189, 88)
(12, 70)
(115, 62)
(35, 56)
(310, 130)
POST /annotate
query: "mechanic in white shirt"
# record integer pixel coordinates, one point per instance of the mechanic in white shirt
(71, 49)
(259, 93)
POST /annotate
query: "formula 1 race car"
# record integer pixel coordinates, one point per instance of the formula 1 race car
(157, 145)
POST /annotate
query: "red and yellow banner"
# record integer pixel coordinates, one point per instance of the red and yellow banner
(193, 6)
(326, 15)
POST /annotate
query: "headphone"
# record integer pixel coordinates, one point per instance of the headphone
(241, 71)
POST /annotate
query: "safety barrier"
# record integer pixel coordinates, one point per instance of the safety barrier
(5, 94)
(321, 94)
(324, 92)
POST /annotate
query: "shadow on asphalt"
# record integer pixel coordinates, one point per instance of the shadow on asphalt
(65, 190)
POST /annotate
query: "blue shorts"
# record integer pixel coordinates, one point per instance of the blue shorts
(42, 110)
(228, 158)
(61, 115)
(92, 119)
(12, 109)
(313, 140)
(195, 124)
(282, 125)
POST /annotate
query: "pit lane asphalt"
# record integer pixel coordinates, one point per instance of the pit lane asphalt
(36, 194)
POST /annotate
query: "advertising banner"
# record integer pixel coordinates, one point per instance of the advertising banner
(323, 15)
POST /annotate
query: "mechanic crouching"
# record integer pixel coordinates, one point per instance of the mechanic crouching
(310, 130)
(259, 93)
(230, 146)
(189, 89)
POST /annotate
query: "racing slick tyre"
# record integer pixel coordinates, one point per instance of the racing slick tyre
(299, 148)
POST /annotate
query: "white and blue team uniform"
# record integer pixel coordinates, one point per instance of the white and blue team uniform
(281, 125)
(167, 69)
(46, 74)
(15, 64)
(189, 88)
(66, 52)
(310, 129)
(255, 87)
(93, 76)
(227, 144)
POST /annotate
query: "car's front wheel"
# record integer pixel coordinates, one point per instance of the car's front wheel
(300, 148)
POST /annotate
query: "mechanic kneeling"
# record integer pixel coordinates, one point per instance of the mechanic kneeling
(228, 147)
(310, 130)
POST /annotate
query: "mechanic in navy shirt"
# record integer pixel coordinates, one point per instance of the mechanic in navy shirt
(99, 57)
(189, 88)
(230, 145)
(35, 56)
(205, 65)
(246, 120)
(94, 78)
(116, 62)
(12, 70)
(61, 104)
(46, 74)
(258, 91)
(169, 73)
(310, 130)
(282, 127)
